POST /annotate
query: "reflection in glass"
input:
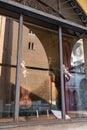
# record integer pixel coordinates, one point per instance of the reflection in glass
(8, 51)
(76, 85)
(40, 86)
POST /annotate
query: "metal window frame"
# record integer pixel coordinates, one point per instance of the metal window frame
(18, 11)
(61, 73)
(19, 53)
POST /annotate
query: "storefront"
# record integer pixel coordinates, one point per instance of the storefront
(42, 66)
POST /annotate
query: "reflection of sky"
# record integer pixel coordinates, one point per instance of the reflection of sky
(77, 55)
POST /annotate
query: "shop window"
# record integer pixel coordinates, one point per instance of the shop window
(40, 95)
(8, 53)
(75, 81)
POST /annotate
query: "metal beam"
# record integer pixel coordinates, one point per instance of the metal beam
(18, 69)
(31, 15)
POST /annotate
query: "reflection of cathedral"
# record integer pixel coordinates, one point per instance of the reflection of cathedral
(76, 75)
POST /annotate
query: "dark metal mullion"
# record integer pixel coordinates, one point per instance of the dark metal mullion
(61, 68)
(61, 73)
(19, 50)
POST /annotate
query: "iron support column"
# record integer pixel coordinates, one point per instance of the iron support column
(19, 50)
(61, 73)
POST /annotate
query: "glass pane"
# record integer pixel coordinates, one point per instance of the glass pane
(75, 76)
(8, 54)
(40, 86)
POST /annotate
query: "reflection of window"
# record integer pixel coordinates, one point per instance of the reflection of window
(31, 46)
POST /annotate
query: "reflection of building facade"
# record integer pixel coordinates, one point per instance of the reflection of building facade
(77, 74)
(39, 78)
(74, 88)
(35, 72)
